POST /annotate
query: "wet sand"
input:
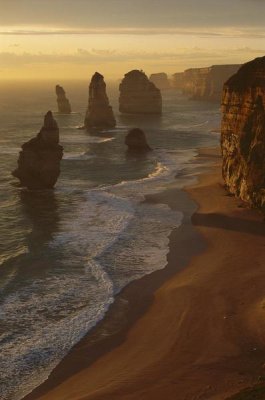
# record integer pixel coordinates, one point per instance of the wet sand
(181, 333)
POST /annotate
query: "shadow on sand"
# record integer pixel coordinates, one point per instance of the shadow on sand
(221, 221)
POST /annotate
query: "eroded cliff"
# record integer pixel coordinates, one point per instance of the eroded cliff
(243, 133)
(204, 83)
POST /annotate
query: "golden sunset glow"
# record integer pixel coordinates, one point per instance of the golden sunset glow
(52, 44)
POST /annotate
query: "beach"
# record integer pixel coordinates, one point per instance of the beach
(183, 333)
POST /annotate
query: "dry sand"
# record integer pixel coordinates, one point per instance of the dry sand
(201, 335)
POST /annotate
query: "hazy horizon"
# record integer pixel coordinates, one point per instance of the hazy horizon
(66, 39)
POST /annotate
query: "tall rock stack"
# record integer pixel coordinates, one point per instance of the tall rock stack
(99, 113)
(160, 80)
(138, 95)
(39, 160)
(64, 106)
(243, 133)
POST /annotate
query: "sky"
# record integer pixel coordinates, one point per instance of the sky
(71, 39)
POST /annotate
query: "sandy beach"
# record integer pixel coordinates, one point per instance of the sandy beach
(181, 333)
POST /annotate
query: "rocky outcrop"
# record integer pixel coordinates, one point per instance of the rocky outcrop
(138, 95)
(243, 133)
(39, 160)
(160, 80)
(136, 141)
(99, 113)
(64, 106)
(205, 83)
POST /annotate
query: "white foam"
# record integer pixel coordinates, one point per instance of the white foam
(83, 139)
(109, 241)
(50, 328)
(10, 150)
(77, 156)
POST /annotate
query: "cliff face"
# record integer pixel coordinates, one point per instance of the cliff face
(197, 84)
(64, 106)
(39, 160)
(138, 95)
(177, 81)
(99, 113)
(160, 80)
(243, 133)
(204, 83)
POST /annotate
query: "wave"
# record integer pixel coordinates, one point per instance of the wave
(77, 156)
(80, 139)
(50, 329)
(10, 150)
(105, 243)
(187, 128)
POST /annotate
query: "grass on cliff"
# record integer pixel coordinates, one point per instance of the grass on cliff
(255, 393)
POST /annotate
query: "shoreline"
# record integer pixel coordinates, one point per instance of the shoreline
(123, 365)
(132, 301)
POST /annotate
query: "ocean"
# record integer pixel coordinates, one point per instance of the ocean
(66, 253)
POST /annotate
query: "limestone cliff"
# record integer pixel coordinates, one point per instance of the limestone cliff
(99, 113)
(204, 83)
(160, 80)
(39, 160)
(64, 106)
(243, 133)
(138, 95)
(178, 80)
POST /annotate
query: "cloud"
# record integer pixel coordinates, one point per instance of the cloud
(118, 13)
(84, 56)
(225, 32)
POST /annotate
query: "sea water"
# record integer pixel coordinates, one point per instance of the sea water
(66, 253)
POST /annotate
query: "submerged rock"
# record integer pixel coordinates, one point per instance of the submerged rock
(243, 133)
(160, 80)
(136, 141)
(64, 106)
(39, 160)
(99, 113)
(138, 95)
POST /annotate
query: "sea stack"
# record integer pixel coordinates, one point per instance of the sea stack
(160, 80)
(64, 106)
(138, 95)
(39, 160)
(243, 133)
(136, 141)
(99, 113)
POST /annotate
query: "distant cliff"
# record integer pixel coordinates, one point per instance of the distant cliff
(243, 133)
(204, 83)
(160, 80)
(138, 95)
(177, 80)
